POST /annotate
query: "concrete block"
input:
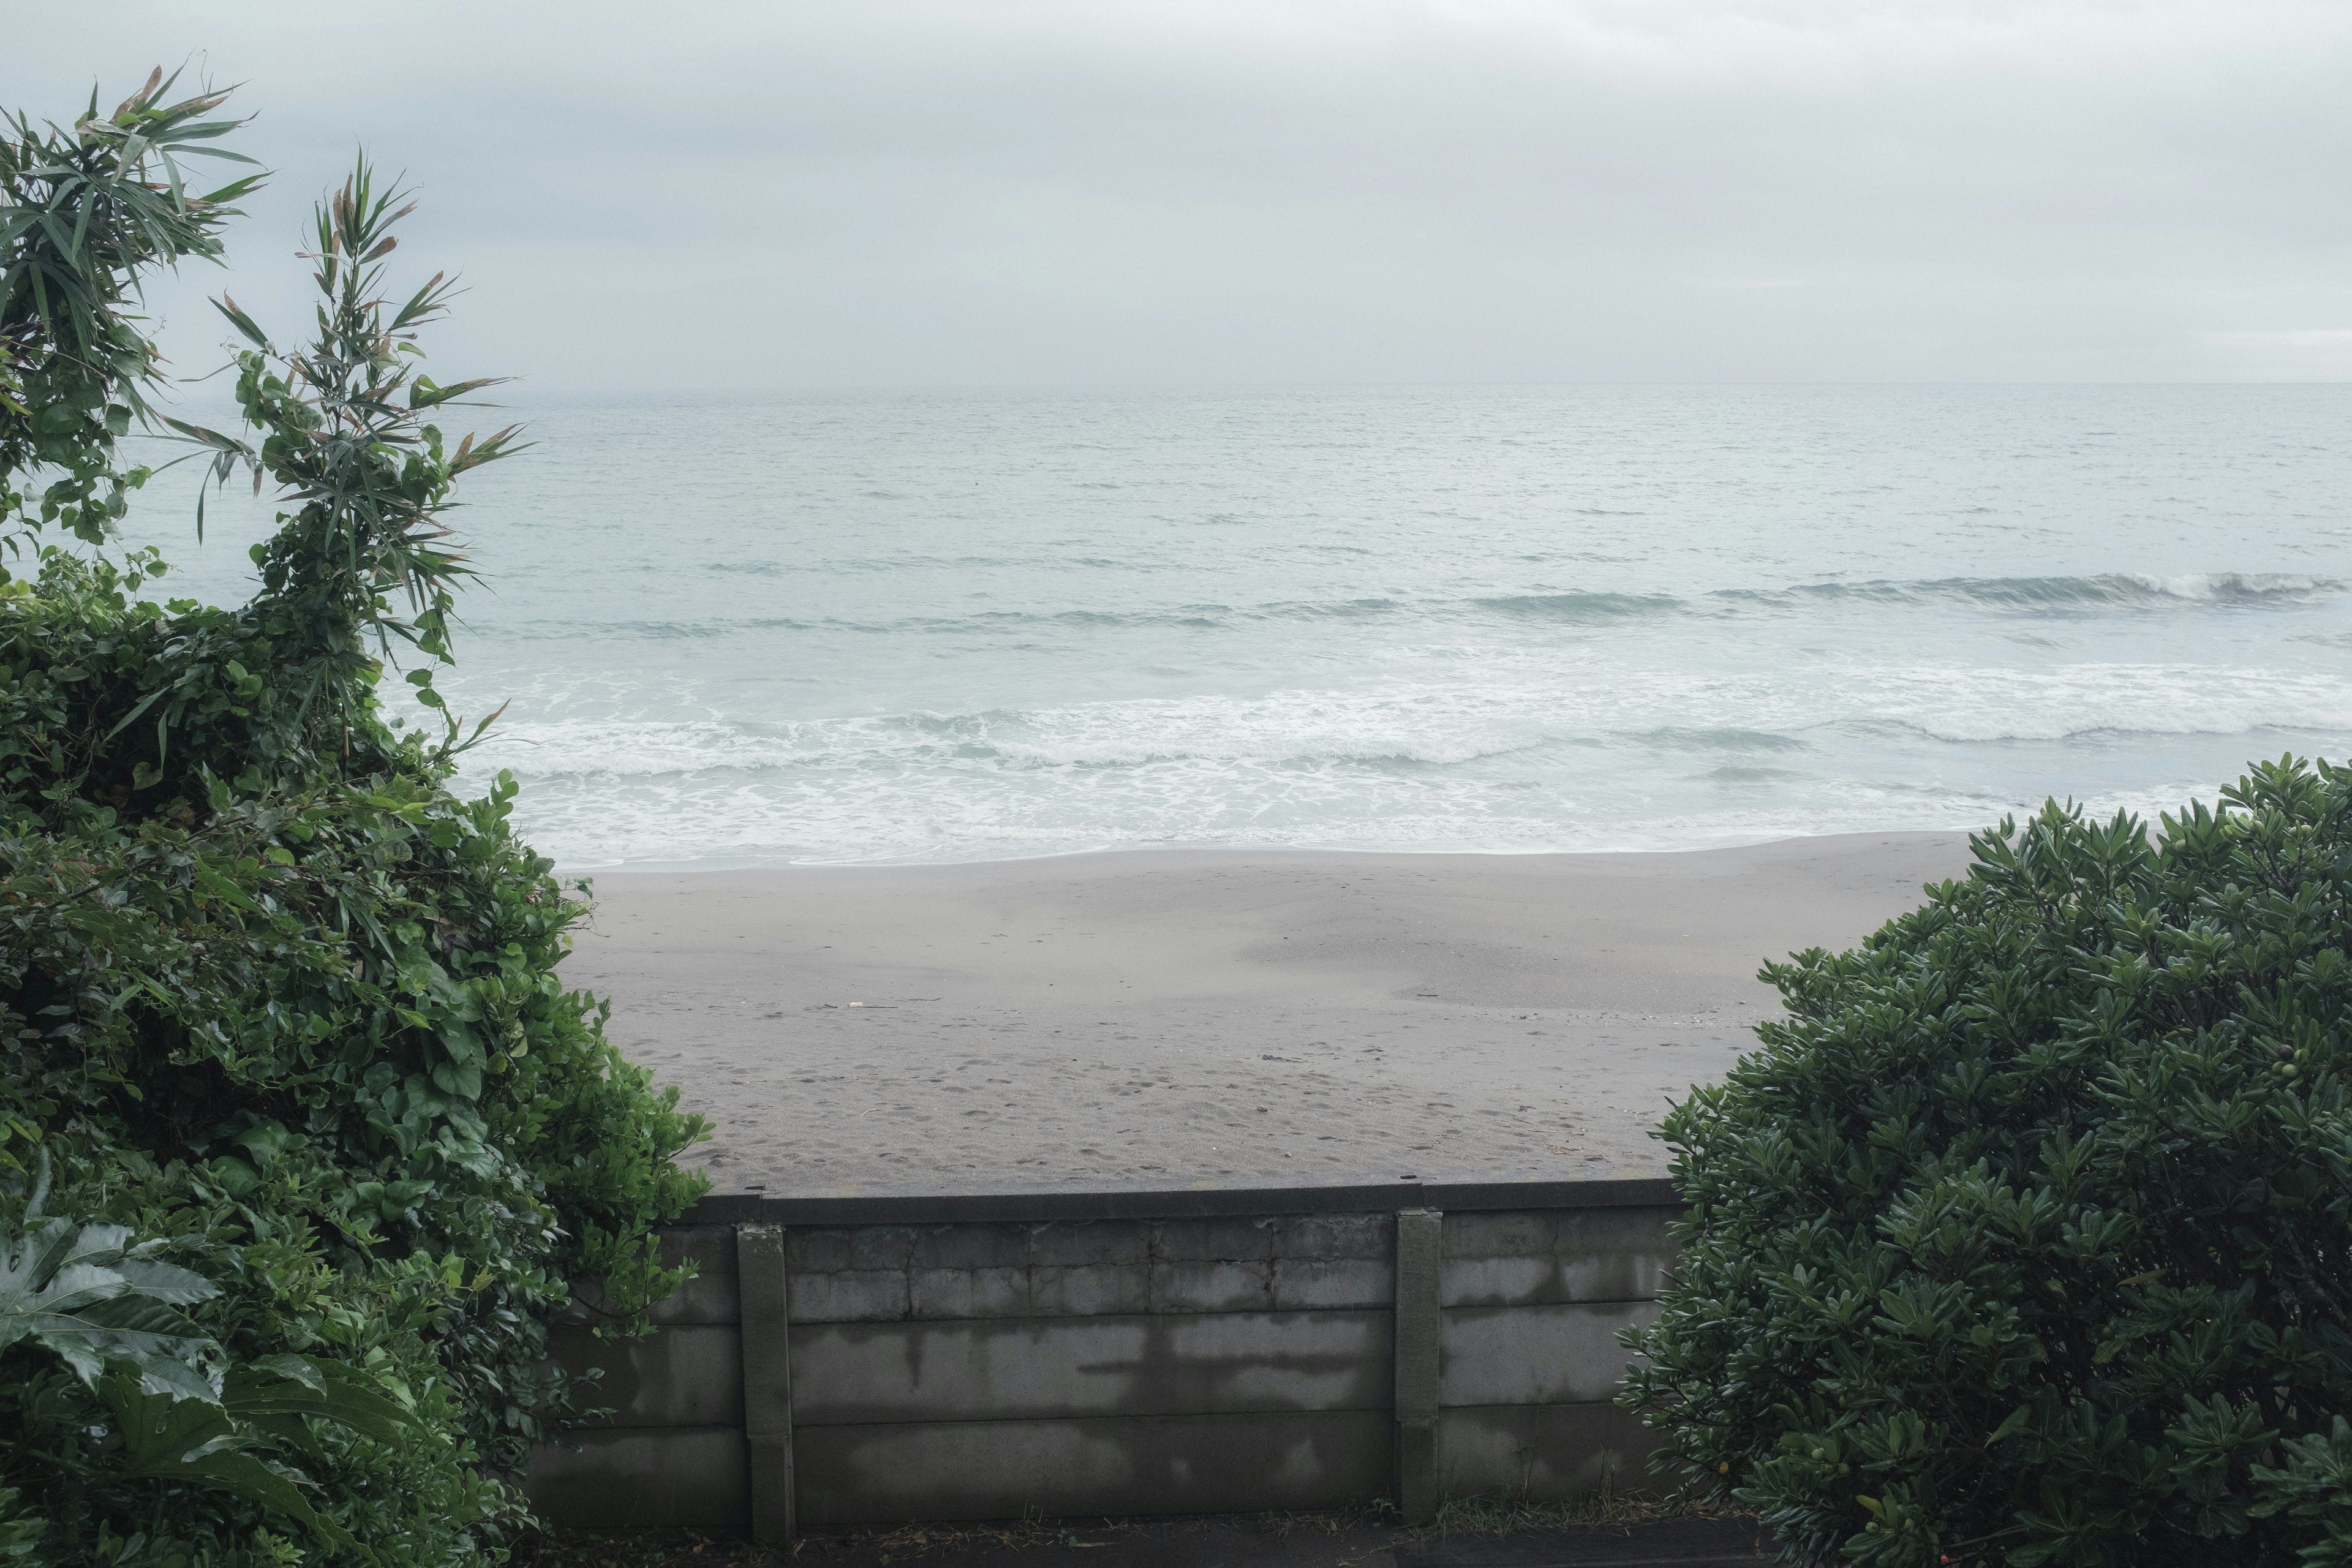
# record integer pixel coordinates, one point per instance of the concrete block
(1213, 1240)
(1530, 1279)
(1332, 1237)
(816, 1251)
(1545, 1453)
(851, 1296)
(967, 1292)
(1640, 1229)
(1090, 1289)
(1536, 1259)
(1613, 1255)
(681, 1478)
(1498, 1234)
(1561, 1355)
(971, 1246)
(1000, 1292)
(1116, 1465)
(686, 1377)
(1089, 1243)
(939, 1293)
(868, 1374)
(1188, 1286)
(1304, 1283)
(879, 1246)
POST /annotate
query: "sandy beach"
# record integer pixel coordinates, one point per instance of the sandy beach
(1180, 1015)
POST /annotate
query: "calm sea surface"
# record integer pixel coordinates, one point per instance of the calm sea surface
(928, 627)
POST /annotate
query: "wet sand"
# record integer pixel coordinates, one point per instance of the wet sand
(1182, 1016)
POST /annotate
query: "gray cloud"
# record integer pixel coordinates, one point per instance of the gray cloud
(765, 194)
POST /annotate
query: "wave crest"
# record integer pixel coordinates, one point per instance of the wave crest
(2106, 590)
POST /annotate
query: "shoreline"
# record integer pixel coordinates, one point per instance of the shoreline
(1174, 1015)
(1245, 851)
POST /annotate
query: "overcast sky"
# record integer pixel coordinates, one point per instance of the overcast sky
(724, 193)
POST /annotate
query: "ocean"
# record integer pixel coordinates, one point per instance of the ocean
(920, 627)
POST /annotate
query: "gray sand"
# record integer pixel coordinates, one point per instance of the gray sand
(1180, 1015)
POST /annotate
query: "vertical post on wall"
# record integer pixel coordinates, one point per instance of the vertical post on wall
(1417, 1235)
(767, 1380)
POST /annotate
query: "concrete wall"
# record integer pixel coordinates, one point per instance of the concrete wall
(895, 1358)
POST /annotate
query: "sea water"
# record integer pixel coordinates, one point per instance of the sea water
(878, 626)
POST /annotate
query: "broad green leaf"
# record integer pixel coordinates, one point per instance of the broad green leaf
(71, 1289)
(293, 1385)
(176, 1439)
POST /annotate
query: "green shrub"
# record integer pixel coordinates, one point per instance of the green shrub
(301, 1135)
(2027, 1237)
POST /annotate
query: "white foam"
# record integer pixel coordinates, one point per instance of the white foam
(1672, 757)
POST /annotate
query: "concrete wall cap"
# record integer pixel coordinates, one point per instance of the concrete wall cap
(927, 1207)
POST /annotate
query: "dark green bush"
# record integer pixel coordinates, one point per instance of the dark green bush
(301, 1135)
(2027, 1237)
